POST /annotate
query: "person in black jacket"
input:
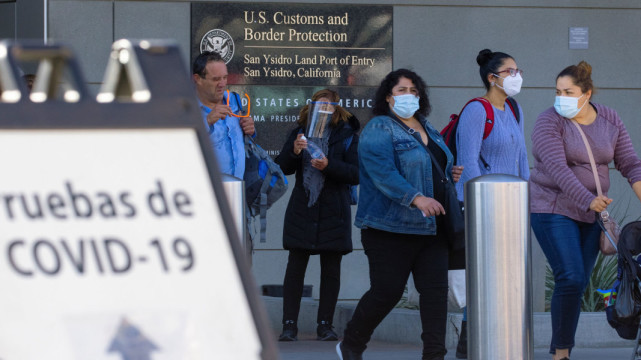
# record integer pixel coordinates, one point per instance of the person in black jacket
(318, 216)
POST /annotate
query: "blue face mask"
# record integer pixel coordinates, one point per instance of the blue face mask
(405, 105)
(568, 106)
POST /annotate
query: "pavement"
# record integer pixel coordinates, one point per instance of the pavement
(398, 336)
(307, 348)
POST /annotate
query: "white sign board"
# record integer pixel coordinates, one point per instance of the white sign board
(579, 37)
(113, 247)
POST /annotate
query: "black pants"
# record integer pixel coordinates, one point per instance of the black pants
(391, 258)
(330, 284)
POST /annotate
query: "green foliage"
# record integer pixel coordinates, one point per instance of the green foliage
(549, 286)
(603, 276)
(621, 212)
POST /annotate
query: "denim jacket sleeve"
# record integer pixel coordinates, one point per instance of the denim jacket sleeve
(376, 156)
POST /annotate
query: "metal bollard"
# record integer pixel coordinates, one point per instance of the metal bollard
(499, 301)
(235, 190)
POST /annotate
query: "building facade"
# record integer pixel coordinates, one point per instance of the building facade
(439, 39)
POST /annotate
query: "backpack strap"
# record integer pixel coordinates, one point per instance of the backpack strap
(489, 121)
(348, 141)
(235, 98)
(267, 182)
(514, 107)
(489, 115)
(263, 207)
(489, 118)
(353, 189)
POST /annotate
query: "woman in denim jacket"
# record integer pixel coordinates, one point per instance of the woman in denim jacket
(400, 214)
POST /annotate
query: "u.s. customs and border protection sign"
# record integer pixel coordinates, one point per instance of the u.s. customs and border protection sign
(219, 41)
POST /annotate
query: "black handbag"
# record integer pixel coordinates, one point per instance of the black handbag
(454, 219)
(456, 259)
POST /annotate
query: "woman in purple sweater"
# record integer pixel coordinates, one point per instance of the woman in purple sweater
(563, 200)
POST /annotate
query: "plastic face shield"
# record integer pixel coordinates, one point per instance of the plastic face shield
(320, 116)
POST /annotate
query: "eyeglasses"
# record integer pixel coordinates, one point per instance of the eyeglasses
(248, 105)
(512, 72)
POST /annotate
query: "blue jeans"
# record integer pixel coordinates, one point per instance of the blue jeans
(571, 248)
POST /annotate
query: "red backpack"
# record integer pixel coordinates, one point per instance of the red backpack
(449, 131)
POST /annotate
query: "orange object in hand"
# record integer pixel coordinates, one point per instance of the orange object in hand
(248, 105)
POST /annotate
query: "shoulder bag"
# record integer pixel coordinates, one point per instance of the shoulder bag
(611, 231)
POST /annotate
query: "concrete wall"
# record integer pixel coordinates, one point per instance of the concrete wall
(7, 20)
(439, 40)
(22, 20)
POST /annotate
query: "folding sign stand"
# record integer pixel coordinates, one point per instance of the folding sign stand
(115, 233)
(635, 353)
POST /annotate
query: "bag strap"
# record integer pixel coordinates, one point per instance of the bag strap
(263, 207)
(489, 118)
(417, 136)
(603, 215)
(515, 108)
(348, 142)
(250, 142)
(239, 103)
(591, 156)
(489, 114)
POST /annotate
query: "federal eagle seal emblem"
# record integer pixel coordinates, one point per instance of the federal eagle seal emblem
(218, 41)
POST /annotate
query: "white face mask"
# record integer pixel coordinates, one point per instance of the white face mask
(405, 105)
(568, 106)
(511, 84)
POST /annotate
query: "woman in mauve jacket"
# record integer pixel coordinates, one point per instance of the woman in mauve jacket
(564, 201)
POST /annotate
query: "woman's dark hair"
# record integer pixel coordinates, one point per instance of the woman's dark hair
(489, 63)
(581, 75)
(340, 114)
(200, 63)
(381, 106)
